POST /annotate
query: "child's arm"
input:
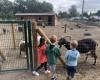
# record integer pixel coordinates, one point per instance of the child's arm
(58, 52)
(66, 55)
(60, 58)
(78, 55)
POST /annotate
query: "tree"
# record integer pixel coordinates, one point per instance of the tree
(63, 14)
(46, 7)
(73, 11)
(85, 14)
(31, 6)
(19, 6)
(6, 9)
(98, 13)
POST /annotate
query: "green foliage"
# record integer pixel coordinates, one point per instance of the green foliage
(98, 13)
(8, 8)
(31, 6)
(63, 14)
(73, 11)
(85, 14)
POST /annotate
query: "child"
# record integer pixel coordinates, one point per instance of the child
(71, 58)
(52, 52)
(42, 57)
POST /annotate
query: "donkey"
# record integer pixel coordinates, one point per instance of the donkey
(84, 46)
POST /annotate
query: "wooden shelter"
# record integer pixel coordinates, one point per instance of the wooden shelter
(48, 19)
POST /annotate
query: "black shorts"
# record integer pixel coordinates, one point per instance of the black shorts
(71, 70)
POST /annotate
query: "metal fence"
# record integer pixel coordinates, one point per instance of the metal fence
(12, 35)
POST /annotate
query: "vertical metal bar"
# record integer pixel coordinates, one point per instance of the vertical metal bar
(30, 45)
(26, 44)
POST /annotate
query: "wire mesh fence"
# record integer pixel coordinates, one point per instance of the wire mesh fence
(11, 33)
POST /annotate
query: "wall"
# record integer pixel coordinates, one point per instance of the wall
(43, 18)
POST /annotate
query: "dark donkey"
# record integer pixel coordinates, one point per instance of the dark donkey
(22, 47)
(84, 46)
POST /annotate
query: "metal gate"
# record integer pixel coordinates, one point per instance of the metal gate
(15, 36)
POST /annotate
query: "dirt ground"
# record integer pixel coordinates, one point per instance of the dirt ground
(85, 71)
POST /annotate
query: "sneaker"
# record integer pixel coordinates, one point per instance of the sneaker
(35, 73)
(47, 72)
(72, 79)
(54, 78)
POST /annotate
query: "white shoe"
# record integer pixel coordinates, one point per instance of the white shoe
(35, 73)
(72, 79)
(47, 72)
(54, 78)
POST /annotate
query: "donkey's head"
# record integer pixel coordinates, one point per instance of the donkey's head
(63, 41)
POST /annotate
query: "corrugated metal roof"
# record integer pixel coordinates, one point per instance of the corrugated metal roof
(27, 14)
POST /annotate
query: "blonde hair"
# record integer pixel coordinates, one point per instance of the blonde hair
(53, 38)
(74, 44)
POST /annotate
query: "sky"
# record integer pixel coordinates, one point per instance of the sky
(64, 5)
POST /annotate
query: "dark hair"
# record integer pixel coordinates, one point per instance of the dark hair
(42, 41)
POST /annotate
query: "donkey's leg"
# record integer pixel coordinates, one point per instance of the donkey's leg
(20, 53)
(95, 57)
(87, 55)
(93, 54)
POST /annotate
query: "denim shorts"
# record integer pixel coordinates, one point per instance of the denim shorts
(71, 70)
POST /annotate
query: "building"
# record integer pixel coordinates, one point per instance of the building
(94, 18)
(49, 19)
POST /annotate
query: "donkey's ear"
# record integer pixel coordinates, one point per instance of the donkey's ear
(68, 38)
(62, 36)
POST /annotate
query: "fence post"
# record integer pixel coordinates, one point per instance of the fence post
(65, 26)
(26, 41)
(13, 34)
(35, 45)
(30, 45)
